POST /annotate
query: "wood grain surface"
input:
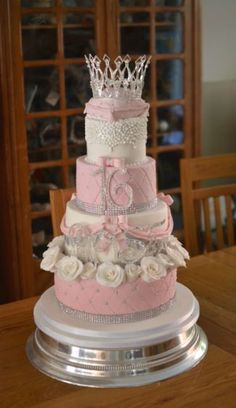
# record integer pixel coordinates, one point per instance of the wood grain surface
(211, 384)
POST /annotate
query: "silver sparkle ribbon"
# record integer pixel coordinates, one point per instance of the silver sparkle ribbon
(117, 318)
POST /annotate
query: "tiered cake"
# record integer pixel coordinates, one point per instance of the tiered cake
(116, 260)
(116, 317)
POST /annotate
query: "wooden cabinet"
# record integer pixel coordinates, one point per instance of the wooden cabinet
(44, 86)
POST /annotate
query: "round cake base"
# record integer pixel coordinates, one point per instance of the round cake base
(121, 355)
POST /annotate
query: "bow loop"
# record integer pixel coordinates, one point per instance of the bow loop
(110, 162)
(166, 198)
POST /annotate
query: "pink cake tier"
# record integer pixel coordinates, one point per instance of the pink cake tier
(129, 301)
(110, 186)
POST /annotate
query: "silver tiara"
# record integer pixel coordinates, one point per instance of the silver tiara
(121, 81)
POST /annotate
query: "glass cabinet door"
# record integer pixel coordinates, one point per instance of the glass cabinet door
(157, 28)
(55, 35)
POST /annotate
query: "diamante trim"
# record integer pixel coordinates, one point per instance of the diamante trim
(101, 210)
(117, 319)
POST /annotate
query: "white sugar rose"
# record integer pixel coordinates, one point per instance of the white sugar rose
(57, 241)
(132, 272)
(89, 271)
(175, 251)
(50, 257)
(176, 257)
(110, 275)
(166, 261)
(152, 269)
(173, 242)
(69, 268)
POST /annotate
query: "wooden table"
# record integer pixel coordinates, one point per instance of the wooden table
(211, 384)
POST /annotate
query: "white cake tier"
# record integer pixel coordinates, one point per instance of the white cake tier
(157, 215)
(124, 138)
(124, 151)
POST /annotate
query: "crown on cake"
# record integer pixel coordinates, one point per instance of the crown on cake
(119, 81)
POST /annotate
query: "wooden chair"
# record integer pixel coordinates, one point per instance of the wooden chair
(58, 200)
(195, 199)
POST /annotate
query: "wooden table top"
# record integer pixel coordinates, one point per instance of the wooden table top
(212, 383)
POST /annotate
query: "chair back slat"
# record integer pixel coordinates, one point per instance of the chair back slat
(212, 167)
(207, 224)
(214, 191)
(58, 200)
(229, 215)
(217, 231)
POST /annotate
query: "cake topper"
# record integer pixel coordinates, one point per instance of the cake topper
(119, 81)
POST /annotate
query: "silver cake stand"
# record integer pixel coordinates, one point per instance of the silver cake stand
(121, 355)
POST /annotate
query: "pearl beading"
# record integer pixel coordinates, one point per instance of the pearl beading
(102, 210)
(124, 131)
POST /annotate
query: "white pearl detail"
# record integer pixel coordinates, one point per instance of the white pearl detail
(124, 131)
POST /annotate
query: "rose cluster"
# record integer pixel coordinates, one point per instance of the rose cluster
(151, 268)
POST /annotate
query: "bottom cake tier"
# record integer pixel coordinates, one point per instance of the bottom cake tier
(123, 355)
(130, 301)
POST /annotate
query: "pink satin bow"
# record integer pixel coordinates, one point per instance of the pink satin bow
(110, 162)
(166, 198)
(152, 232)
(113, 224)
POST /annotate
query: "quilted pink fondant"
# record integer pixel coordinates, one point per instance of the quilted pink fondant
(136, 183)
(88, 296)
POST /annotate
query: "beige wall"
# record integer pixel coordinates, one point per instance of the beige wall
(219, 117)
(219, 76)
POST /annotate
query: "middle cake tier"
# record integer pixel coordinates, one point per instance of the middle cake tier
(158, 216)
(112, 187)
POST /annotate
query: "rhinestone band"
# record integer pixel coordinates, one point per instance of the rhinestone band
(124, 131)
(117, 319)
(101, 210)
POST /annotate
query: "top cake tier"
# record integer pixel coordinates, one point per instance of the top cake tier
(116, 128)
(116, 116)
